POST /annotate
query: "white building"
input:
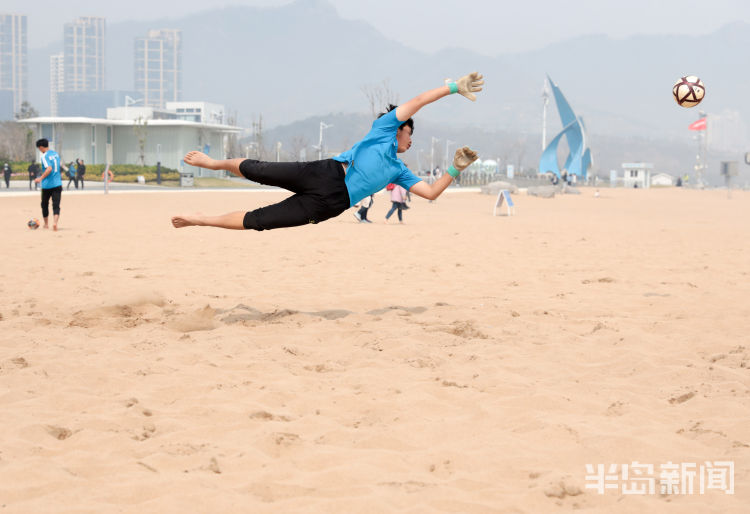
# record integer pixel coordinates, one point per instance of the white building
(136, 112)
(662, 180)
(118, 141)
(83, 53)
(158, 67)
(56, 81)
(202, 112)
(14, 74)
(637, 174)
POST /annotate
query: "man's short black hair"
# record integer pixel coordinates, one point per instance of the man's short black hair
(42, 143)
(409, 122)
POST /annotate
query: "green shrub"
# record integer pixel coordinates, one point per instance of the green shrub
(130, 172)
(122, 172)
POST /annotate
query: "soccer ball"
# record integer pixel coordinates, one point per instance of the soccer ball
(33, 224)
(689, 91)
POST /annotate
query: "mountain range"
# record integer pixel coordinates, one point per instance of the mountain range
(302, 60)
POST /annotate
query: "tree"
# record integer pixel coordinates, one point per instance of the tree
(15, 141)
(26, 112)
(298, 144)
(232, 145)
(379, 96)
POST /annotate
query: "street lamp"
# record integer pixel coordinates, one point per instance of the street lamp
(545, 101)
(419, 160)
(432, 153)
(323, 126)
(448, 143)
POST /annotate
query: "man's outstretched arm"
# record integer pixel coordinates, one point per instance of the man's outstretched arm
(466, 86)
(463, 158)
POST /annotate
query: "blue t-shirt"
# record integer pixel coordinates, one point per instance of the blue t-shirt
(372, 163)
(51, 159)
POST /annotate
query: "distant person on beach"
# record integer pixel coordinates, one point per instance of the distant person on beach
(51, 182)
(72, 177)
(80, 171)
(398, 198)
(364, 206)
(33, 173)
(7, 172)
(324, 189)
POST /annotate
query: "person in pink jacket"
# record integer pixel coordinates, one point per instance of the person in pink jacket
(398, 197)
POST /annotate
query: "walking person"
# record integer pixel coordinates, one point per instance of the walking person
(398, 197)
(33, 173)
(72, 177)
(324, 189)
(364, 206)
(7, 172)
(81, 171)
(51, 183)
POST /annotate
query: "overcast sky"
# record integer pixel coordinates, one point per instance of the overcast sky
(499, 26)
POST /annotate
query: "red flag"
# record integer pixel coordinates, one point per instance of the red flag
(698, 125)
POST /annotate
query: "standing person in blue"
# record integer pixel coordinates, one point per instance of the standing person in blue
(51, 183)
(324, 189)
(72, 175)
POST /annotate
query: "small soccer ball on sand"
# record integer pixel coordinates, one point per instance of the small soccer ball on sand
(33, 224)
(688, 91)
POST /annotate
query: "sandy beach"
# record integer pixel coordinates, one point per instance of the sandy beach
(457, 363)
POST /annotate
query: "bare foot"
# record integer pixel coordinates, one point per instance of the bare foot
(54, 228)
(46, 227)
(185, 221)
(199, 160)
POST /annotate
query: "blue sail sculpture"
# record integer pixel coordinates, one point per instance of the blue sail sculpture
(579, 159)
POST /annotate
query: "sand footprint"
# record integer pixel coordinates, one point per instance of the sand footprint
(13, 364)
(148, 432)
(60, 433)
(267, 416)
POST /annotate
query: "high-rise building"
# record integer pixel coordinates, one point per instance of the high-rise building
(727, 131)
(83, 54)
(14, 81)
(56, 81)
(158, 67)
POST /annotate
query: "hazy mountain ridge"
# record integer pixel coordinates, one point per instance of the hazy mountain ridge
(302, 60)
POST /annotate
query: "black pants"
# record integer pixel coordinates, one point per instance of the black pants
(55, 193)
(363, 212)
(7, 181)
(80, 180)
(74, 180)
(318, 186)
